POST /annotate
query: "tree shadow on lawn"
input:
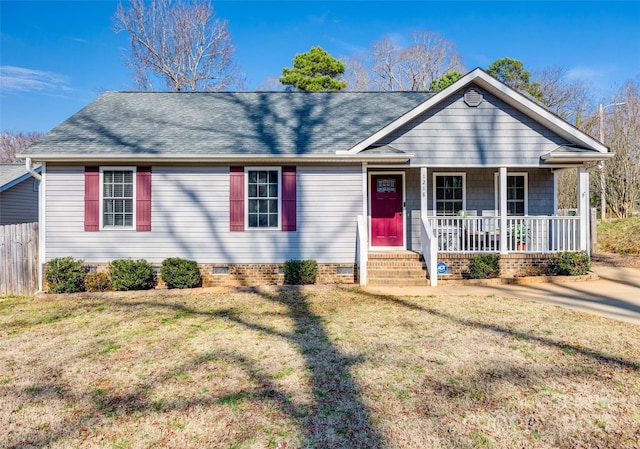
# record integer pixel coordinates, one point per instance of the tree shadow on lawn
(586, 352)
(337, 416)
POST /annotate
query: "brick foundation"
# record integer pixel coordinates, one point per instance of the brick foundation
(269, 274)
(511, 265)
(251, 274)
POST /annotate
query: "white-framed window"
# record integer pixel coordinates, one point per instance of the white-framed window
(264, 193)
(117, 197)
(517, 193)
(449, 193)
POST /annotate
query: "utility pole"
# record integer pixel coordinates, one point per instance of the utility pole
(603, 199)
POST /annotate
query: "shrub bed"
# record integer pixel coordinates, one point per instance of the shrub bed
(484, 266)
(97, 282)
(127, 274)
(300, 272)
(180, 273)
(570, 264)
(65, 275)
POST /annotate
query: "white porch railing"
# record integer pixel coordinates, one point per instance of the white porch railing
(531, 234)
(429, 248)
(363, 248)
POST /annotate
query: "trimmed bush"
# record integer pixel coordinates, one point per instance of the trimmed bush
(570, 264)
(300, 272)
(65, 275)
(484, 266)
(127, 274)
(97, 282)
(180, 273)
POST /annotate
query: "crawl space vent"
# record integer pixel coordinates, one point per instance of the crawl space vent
(473, 98)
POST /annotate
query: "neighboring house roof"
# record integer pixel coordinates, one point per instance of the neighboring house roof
(194, 126)
(12, 174)
(223, 123)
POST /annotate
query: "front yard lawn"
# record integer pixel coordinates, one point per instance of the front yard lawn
(325, 368)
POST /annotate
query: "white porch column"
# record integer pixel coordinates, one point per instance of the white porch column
(555, 193)
(365, 193)
(502, 211)
(424, 189)
(583, 207)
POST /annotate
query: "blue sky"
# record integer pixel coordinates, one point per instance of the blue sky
(58, 56)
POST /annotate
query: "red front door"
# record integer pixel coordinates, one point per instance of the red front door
(386, 210)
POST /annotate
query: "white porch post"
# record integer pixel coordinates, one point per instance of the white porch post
(502, 212)
(424, 188)
(363, 229)
(365, 195)
(583, 207)
(555, 193)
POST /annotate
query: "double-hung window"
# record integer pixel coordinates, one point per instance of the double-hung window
(449, 193)
(263, 198)
(117, 198)
(517, 194)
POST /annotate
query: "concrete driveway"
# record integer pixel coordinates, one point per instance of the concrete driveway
(616, 294)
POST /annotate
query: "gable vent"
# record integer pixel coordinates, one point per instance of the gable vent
(473, 98)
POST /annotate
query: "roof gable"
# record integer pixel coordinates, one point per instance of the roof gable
(515, 99)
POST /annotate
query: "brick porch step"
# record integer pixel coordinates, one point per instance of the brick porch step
(396, 268)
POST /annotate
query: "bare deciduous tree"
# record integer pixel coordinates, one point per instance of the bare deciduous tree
(386, 66)
(13, 143)
(356, 74)
(179, 42)
(621, 131)
(567, 98)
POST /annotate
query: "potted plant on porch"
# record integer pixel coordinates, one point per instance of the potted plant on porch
(519, 233)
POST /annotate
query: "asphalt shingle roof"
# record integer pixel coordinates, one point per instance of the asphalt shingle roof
(277, 123)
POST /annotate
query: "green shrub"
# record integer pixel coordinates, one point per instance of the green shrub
(97, 282)
(180, 273)
(300, 272)
(484, 266)
(127, 274)
(65, 275)
(570, 264)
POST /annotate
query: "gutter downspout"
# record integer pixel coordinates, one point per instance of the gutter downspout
(28, 163)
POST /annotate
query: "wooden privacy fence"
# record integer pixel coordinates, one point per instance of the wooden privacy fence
(19, 259)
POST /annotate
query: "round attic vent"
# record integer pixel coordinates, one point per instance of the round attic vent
(473, 98)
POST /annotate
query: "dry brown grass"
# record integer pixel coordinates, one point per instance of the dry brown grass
(316, 368)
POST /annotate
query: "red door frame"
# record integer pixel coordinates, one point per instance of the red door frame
(400, 214)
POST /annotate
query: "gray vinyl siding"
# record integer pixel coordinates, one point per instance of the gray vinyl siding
(19, 204)
(493, 134)
(190, 219)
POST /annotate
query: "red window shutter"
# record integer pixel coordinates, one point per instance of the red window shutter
(91, 199)
(288, 199)
(143, 199)
(236, 199)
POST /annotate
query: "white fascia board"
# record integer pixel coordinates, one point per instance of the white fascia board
(502, 91)
(574, 158)
(220, 158)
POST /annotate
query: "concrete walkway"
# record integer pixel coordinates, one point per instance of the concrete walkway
(616, 294)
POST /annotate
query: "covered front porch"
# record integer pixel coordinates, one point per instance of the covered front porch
(470, 223)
